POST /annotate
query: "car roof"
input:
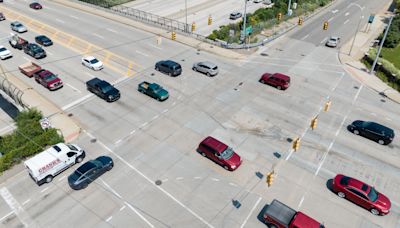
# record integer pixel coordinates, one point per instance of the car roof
(334, 37)
(170, 62)
(207, 63)
(361, 186)
(281, 76)
(89, 57)
(215, 144)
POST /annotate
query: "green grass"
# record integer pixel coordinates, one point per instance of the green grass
(392, 55)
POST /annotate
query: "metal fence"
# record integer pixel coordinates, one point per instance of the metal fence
(11, 90)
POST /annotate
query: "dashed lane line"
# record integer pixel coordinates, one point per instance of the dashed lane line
(5, 216)
(345, 22)
(251, 212)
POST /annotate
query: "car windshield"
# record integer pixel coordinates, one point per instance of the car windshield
(227, 153)
(365, 124)
(107, 88)
(50, 77)
(157, 87)
(35, 47)
(373, 194)
(72, 147)
(18, 25)
(3, 49)
(84, 168)
(93, 61)
(332, 39)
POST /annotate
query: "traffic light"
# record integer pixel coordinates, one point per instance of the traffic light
(314, 122)
(173, 35)
(327, 105)
(325, 25)
(279, 16)
(296, 144)
(209, 20)
(300, 21)
(270, 178)
(193, 26)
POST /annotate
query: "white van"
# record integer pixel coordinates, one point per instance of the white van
(44, 166)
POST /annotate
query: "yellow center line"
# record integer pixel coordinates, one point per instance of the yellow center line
(71, 40)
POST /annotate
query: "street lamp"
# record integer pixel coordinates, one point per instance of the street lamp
(380, 46)
(288, 7)
(186, 24)
(359, 22)
(244, 21)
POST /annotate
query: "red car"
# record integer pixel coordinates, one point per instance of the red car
(219, 153)
(278, 80)
(361, 194)
(48, 79)
(35, 5)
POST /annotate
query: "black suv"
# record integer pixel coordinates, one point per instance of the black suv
(35, 51)
(169, 67)
(371, 130)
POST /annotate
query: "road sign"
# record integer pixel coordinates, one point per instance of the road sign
(45, 123)
(371, 18)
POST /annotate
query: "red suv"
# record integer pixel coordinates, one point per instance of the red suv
(280, 81)
(219, 153)
(48, 79)
(361, 194)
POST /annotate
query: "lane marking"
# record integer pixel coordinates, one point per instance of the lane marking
(5, 216)
(140, 215)
(301, 202)
(214, 179)
(305, 37)
(330, 19)
(75, 17)
(27, 59)
(347, 21)
(251, 212)
(118, 141)
(335, 11)
(141, 53)
(26, 201)
(108, 219)
(61, 21)
(346, 14)
(230, 183)
(179, 178)
(50, 53)
(165, 110)
(100, 36)
(62, 178)
(154, 46)
(152, 182)
(165, 180)
(111, 189)
(388, 119)
(68, 106)
(45, 189)
(197, 177)
(111, 30)
(132, 132)
(91, 75)
(122, 208)
(155, 117)
(73, 88)
(15, 206)
(144, 124)
(372, 113)
(324, 40)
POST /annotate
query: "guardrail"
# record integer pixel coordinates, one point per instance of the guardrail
(11, 90)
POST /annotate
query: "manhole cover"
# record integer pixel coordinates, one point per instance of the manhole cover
(152, 74)
(383, 100)
(93, 140)
(355, 87)
(158, 182)
(70, 114)
(289, 140)
(183, 60)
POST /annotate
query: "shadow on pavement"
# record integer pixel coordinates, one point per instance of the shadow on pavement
(329, 184)
(8, 108)
(260, 215)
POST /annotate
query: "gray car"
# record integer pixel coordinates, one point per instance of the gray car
(333, 41)
(208, 68)
(18, 27)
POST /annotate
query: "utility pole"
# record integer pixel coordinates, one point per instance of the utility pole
(288, 7)
(358, 26)
(186, 25)
(244, 22)
(380, 46)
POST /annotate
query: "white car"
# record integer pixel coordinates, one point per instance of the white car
(333, 41)
(257, 1)
(92, 63)
(5, 53)
(18, 27)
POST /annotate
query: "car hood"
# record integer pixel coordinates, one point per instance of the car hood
(113, 92)
(162, 92)
(53, 81)
(383, 202)
(6, 52)
(235, 160)
(98, 64)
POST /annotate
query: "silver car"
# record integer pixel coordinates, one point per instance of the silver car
(333, 41)
(18, 27)
(208, 68)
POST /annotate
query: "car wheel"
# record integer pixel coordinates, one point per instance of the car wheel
(110, 167)
(226, 167)
(79, 159)
(356, 132)
(203, 154)
(374, 211)
(341, 194)
(380, 141)
(279, 87)
(170, 74)
(157, 69)
(273, 226)
(262, 81)
(195, 69)
(208, 74)
(158, 99)
(49, 178)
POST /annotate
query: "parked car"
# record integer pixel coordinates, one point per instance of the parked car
(92, 63)
(153, 90)
(219, 153)
(103, 89)
(2, 17)
(18, 27)
(169, 67)
(206, 67)
(235, 15)
(35, 5)
(5, 53)
(373, 131)
(89, 171)
(35, 51)
(17, 42)
(278, 80)
(333, 41)
(361, 194)
(43, 40)
(48, 79)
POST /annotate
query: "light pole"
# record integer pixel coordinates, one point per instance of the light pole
(359, 22)
(186, 24)
(288, 7)
(244, 22)
(380, 46)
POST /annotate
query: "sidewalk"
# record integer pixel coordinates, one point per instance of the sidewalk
(361, 46)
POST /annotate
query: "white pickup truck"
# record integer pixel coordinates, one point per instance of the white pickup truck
(44, 166)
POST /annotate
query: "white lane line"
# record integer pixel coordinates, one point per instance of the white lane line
(15, 206)
(165, 180)
(165, 110)
(26, 201)
(140, 215)
(48, 7)
(330, 19)
(214, 179)
(155, 117)
(62, 178)
(388, 119)
(347, 21)
(152, 182)
(179, 178)
(197, 177)
(5, 216)
(108, 219)
(346, 14)
(61, 21)
(232, 184)
(111, 189)
(154, 46)
(45, 189)
(372, 113)
(132, 132)
(144, 124)
(75, 17)
(49, 53)
(305, 37)
(335, 11)
(301, 202)
(26, 59)
(111, 30)
(174, 103)
(73, 88)
(251, 212)
(141, 53)
(65, 107)
(100, 36)
(91, 75)
(118, 141)
(324, 40)
(122, 208)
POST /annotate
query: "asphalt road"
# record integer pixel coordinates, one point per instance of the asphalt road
(152, 140)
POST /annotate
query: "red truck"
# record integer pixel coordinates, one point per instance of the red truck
(279, 215)
(29, 68)
(48, 79)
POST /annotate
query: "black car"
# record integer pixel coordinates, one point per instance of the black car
(371, 130)
(43, 40)
(89, 171)
(35, 51)
(169, 67)
(103, 89)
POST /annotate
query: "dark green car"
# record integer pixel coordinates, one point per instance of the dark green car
(153, 90)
